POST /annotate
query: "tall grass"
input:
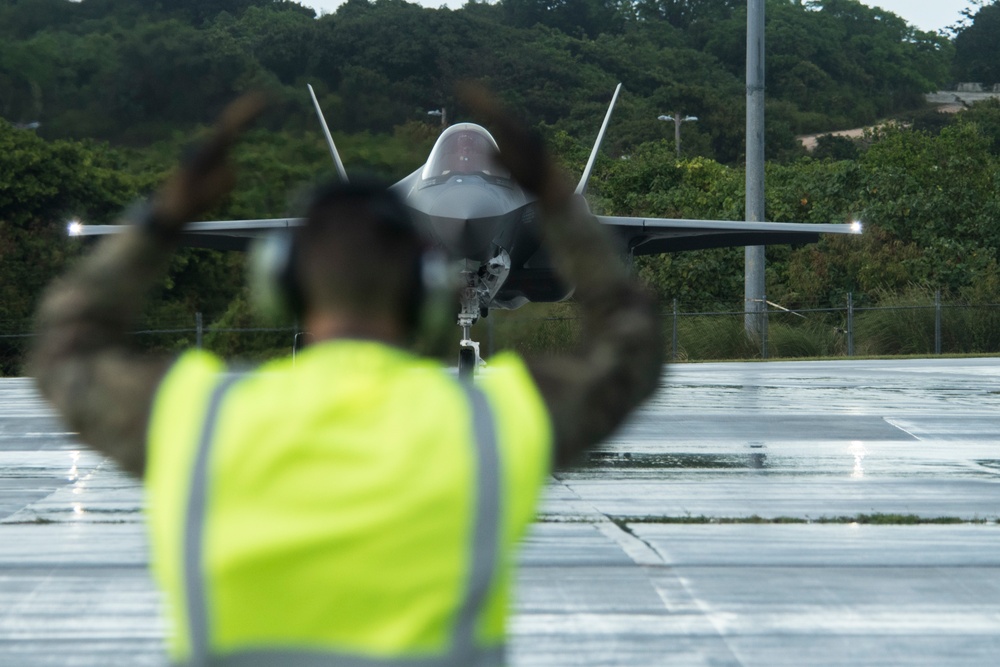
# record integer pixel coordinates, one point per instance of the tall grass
(899, 324)
(971, 330)
(905, 324)
(715, 337)
(723, 337)
(811, 338)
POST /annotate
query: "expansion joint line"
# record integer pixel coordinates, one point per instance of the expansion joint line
(639, 550)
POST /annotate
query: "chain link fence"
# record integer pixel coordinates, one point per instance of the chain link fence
(909, 326)
(905, 327)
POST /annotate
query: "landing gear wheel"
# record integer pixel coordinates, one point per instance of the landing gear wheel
(466, 363)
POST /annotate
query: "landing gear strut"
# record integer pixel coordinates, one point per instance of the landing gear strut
(480, 284)
(468, 353)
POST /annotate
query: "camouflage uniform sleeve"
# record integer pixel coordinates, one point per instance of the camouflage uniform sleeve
(589, 392)
(82, 361)
(621, 354)
(102, 388)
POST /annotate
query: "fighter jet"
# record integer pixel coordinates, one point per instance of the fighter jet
(471, 208)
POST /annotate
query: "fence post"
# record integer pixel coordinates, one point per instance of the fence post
(764, 326)
(673, 337)
(850, 324)
(198, 329)
(937, 322)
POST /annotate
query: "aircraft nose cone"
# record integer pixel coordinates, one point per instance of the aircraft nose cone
(467, 204)
(467, 220)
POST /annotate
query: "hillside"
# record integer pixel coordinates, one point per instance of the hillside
(134, 71)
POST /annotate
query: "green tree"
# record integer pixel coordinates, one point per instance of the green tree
(835, 148)
(652, 182)
(929, 204)
(985, 116)
(24, 18)
(42, 186)
(158, 60)
(578, 17)
(685, 14)
(282, 42)
(977, 47)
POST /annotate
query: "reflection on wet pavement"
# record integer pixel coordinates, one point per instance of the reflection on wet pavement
(813, 513)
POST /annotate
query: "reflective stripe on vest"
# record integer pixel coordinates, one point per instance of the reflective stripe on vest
(484, 657)
(485, 549)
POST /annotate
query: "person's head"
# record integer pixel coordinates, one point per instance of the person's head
(358, 259)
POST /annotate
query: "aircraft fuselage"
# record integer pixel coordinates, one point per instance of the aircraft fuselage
(467, 204)
(472, 216)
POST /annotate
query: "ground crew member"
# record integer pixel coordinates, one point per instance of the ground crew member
(360, 507)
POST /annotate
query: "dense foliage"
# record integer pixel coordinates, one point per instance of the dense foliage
(930, 204)
(143, 76)
(132, 70)
(977, 50)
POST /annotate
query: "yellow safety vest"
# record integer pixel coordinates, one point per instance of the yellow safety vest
(357, 507)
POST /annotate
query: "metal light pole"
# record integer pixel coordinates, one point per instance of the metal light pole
(443, 113)
(677, 119)
(753, 289)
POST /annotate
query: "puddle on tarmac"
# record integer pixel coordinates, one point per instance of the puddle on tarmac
(753, 460)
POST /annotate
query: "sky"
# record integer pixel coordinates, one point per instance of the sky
(930, 15)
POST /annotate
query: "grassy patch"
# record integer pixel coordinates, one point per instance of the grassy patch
(38, 520)
(894, 520)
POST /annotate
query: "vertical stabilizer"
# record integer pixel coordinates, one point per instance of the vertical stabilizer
(329, 137)
(581, 188)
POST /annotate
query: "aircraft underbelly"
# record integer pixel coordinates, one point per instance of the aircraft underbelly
(475, 239)
(470, 216)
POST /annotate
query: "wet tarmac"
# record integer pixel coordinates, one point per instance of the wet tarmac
(813, 513)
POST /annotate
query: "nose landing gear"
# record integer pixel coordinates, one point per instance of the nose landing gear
(480, 285)
(468, 359)
(468, 353)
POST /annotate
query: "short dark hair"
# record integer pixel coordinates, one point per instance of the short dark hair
(360, 251)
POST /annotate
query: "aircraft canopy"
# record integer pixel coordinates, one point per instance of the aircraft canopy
(464, 148)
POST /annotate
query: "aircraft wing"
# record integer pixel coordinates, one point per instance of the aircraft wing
(650, 236)
(217, 234)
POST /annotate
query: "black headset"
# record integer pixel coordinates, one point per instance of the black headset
(274, 275)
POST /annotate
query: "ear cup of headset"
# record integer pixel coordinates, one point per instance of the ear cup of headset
(438, 304)
(272, 276)
(434, 296)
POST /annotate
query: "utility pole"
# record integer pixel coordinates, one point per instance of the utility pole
(753, 289)
(678, 120)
